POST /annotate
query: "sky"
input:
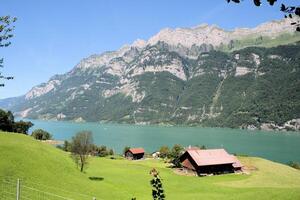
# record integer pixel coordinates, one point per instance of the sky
(52, 36)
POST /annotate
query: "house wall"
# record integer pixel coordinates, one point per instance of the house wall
(129, 155)
(138, 156)
(188, 162)
(215, 169)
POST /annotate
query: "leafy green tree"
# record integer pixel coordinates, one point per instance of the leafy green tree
(111, 152)
(157, 187)
(164, 152)
(6, 29)
(6, 124)
(41, 134)
(295, 165)
(125, 149)
(176, 152)
(201, 146)
(80, 148)
(22, 127)
(66, 146)
(101, 151)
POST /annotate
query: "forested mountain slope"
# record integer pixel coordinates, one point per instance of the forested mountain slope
(181, 76)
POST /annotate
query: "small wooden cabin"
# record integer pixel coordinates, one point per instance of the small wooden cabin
(211, 161)
(135, 153)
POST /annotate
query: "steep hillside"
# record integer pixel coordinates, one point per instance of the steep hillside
(198, 76)
(44, 168)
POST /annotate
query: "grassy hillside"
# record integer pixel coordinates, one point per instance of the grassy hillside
(49, 169)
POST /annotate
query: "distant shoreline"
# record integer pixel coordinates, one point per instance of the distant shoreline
(53, 142)
(283, 131)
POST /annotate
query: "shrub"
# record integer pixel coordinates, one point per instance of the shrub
(164, 152)
(66, 146)
(125, 149)
(41, 134)
(8, 124)
(295, 165)
(101, 151)
(175, 154)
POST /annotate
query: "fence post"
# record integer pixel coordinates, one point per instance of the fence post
(18, 189)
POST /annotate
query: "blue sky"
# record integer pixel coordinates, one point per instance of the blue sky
(52, 36)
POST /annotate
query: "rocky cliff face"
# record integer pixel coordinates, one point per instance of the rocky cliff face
(202, 75)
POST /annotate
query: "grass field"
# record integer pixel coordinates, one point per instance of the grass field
(46, 168)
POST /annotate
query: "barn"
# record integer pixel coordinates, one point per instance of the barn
(210, 161)
(135, 153)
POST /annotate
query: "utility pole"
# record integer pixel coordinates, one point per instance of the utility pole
(18, 189)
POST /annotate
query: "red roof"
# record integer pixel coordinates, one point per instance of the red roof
(212, 157)
(136, 150)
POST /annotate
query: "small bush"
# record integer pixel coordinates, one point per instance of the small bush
(66, 146)
(101, 151)
(295, 165)
(40, 134)
(164, 152)
(125, 149)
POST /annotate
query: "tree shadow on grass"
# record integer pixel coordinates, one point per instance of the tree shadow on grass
(96, 178)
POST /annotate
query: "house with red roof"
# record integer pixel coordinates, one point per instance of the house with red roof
(210, 161)
(135, 153)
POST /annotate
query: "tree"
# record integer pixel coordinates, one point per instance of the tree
(80, 148)
(293, 164)
(125, 149)
(164, 152)
(157, 187)
(6, 29)
(101, 151)
(8, 124)
(5, 122)
(22, 127)
(288, 11)
(176, 152)
(66, 146)
(41, 134)
(201, 146)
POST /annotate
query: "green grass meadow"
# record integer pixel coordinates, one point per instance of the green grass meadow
(46, 168)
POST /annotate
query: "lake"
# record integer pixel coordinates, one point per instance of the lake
(277, 146)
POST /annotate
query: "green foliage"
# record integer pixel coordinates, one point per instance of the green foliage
(101, 151)
(81, 146)
(41, 134)
(125, 149)
(22, 127)
(21, 156)
(295, 165)
(8, 124)
(201, 146)
(214, 94)
(164, 152)
(157, 187)
(6, 29)
(175, 154)
(67, 146)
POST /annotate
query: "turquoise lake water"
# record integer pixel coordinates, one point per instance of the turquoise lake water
(277, 146)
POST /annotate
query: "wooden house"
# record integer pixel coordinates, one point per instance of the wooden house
(211, 161)
(135, 153)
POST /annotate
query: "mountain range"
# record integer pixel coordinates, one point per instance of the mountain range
(207, 76)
